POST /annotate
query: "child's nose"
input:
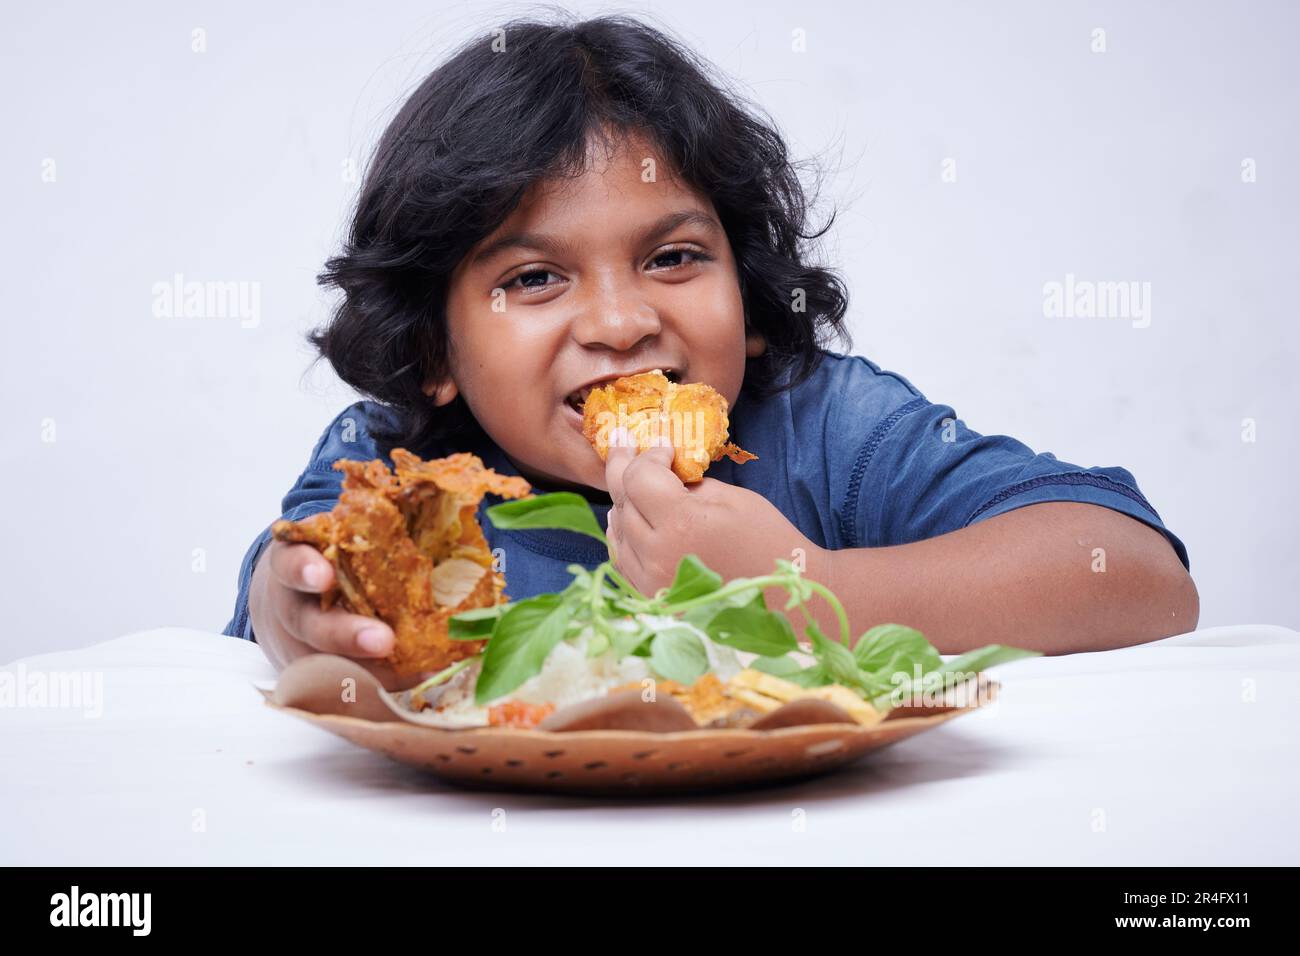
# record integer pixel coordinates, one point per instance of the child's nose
(618, 322)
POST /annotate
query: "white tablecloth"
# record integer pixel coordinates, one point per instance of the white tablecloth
(1185, 751)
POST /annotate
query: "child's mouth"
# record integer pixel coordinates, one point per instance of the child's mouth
(576, 399)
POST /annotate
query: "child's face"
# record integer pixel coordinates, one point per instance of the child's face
(592, 291)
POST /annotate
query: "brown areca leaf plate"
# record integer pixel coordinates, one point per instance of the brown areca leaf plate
(619, 744)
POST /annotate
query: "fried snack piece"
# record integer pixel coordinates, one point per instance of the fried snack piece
(708, 701)
(693, 417)
(407, 548)
(765, 693)
(750, 694)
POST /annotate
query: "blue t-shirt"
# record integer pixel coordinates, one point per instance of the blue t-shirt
(853, 456)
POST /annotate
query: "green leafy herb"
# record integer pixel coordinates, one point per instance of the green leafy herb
(754, 630)
(665, 628)
(893, 647)
(475, 624)
(983, 658)
(787, 668)
(521, 641)
(561, 509)
(677, 653)
(692, 580)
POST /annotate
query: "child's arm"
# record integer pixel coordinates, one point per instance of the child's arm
(1031, 577)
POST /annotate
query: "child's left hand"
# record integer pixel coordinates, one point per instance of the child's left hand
(656, 520)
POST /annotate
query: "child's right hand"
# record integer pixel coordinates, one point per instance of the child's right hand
(284, 605)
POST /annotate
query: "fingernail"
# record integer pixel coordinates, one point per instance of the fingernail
(313, 575)
(374, 640)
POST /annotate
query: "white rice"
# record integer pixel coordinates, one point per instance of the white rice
(567, 677)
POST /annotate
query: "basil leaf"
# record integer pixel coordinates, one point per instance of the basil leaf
(693, 579)
(812, 676)
(753, 631)
(581, 576)
(475, 624)
(836, 659)
(677, 653)
(745, 597)
(889, 649)
(628, 641)
(787, 668)
(801, 589)
(776, 666)
(560, 509)
(520, 643)
(983, 658)
(621, 606)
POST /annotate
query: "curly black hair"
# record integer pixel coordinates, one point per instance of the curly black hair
(489, 123)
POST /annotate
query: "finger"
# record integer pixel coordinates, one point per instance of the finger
(626, 559)
(301, 567)
(611, 529)
(334, 631)
(630, 535)
(651, 488)
(708, 488)
(634, 532)
(382, 670)
(622, 450)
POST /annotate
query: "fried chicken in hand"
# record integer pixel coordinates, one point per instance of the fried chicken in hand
(648, 405)
(407, 548)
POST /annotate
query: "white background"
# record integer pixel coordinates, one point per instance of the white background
(173, 435)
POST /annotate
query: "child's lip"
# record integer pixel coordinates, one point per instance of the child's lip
(573, 415)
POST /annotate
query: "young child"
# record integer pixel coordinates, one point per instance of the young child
(561, 204)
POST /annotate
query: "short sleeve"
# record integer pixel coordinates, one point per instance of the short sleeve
(316, 490)
(921, 473)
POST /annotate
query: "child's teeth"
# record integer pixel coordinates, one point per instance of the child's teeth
(579, 398)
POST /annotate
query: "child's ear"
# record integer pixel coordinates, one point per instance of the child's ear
(755, 345)
(441, 391)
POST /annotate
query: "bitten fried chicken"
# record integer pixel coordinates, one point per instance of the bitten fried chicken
(407, 548)
(648, 405)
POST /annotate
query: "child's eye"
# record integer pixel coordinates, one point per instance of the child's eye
(665, 261)
(676, 257)
(527, 280)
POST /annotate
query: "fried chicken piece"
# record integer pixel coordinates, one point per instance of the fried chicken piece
(440, 500)
(693, 417)
(407, 548)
